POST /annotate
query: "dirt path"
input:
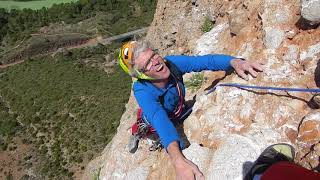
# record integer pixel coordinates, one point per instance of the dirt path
(89, 42)
(11, 64)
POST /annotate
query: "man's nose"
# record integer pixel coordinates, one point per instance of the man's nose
(154, 60)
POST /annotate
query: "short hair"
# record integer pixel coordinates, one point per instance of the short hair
(139, 47)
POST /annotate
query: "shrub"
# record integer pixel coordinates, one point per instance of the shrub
(207, 25)
(3, 146)
(196, 81)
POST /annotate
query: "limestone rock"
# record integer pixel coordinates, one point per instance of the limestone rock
(275, 13)
(179, 28)
(199, 155)
(309, 58)
(292, 54)
(309, 140)
(140, 173)
(309, 130)
(273, 37)
(310, 10)
(233, 158)
(312, 52)
(237, 21)
(208, 43)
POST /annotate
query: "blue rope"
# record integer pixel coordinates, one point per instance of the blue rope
(263, 87)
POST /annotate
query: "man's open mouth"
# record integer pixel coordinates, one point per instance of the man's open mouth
(160, 67)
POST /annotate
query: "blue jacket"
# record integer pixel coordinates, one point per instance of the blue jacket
(147, 95)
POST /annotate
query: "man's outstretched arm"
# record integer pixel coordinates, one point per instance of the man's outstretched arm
(216, 62)
(185, 169)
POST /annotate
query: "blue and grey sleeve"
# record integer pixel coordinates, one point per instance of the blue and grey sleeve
(214, 62)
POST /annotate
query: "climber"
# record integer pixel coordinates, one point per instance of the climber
(159, 91)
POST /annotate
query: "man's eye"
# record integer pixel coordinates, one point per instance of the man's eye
(149, 65)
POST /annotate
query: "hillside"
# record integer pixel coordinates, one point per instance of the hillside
(85, 18)
(36, 4)
(229, 128)
(64, 110)
(61, 91)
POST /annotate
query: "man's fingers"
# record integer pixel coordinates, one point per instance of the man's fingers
(242, 74)
(200, 177)
(194, 167)
(252, 72)
(242, 67)
(197, 172)
(257, 66)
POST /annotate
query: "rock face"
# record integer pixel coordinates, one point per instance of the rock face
(273, 37)
(229, 128)
(310, 10)
(308, 140)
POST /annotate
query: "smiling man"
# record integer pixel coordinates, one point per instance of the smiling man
(160, 92)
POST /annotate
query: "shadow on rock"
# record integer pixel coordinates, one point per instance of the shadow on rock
(317, 74)
(305, 24)
(314, 103)
(246, 168)
(179, 125)
(216, 81)
(182, 134)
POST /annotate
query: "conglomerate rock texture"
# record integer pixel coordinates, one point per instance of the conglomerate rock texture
(310, 11)
(230, 127)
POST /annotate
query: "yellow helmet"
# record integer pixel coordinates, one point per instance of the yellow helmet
(125, 61)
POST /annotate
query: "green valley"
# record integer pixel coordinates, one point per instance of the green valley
(60, 106)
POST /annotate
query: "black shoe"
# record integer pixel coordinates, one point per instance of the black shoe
(272, 154)
(133, 144)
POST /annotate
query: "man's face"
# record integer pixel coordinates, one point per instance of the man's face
(152, 64)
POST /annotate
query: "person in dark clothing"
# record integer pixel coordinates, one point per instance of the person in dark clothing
(276, 162)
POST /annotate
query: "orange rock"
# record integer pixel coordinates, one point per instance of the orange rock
(291, 134)
(308, 125)
(309, 131)
(310, 136)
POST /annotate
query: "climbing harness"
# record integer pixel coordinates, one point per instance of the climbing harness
(142, 129)
(179, 108)
(269, 88)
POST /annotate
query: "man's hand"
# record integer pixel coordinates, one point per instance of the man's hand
(185, 169)
(242, 67)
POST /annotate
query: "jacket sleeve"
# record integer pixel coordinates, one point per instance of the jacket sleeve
(214, 62)
(157, 117)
